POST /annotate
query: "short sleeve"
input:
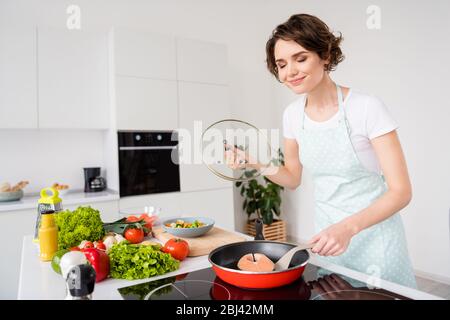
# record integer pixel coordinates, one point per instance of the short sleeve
(287, 125)
(379, 121)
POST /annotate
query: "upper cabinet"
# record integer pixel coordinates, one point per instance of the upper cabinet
(200, 106)
(73, 79)
(146, 104)
(145, 81)
(200, 61)
(144, 54)
(203, 99)
(18, 99)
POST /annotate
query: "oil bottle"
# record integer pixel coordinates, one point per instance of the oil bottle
(49, 200)
(48, 236)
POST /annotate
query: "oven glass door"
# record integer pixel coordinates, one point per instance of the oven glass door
(148, 170)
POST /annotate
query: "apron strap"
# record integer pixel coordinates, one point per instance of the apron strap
(342, 116)
(339, 96)
(341, 103)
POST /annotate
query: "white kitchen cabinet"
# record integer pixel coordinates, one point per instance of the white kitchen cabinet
(216, 204)
(15, 225)
(143, 54)
(146, 104)
(200, 106)
(73, 78)
(201, 61)
(18, 99)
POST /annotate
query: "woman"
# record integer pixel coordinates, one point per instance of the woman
(349, 143)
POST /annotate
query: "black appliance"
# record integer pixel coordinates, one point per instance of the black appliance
(148, 162)
(205, 285)
(93, 182)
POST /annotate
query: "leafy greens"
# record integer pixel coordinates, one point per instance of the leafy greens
(128, 261)
(84, 223)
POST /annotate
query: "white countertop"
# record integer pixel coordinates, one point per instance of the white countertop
(39, 281)
(70, 198)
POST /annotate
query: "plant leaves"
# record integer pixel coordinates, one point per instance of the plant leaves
(261, 194)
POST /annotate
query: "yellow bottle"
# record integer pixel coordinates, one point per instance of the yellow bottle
(49, 200)
(48, 236)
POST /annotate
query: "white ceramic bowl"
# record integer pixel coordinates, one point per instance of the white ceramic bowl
(189, 232)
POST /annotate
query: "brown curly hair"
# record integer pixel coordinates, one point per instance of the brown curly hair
(312, 34)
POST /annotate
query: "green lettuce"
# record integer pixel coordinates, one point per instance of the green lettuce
(129, 261)
(84, 223)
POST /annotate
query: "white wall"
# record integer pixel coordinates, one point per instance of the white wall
(46, 156)
(403, 63)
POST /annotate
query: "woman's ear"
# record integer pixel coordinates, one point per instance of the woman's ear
(326, 62)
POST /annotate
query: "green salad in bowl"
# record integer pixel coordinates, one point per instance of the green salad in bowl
(188, 227)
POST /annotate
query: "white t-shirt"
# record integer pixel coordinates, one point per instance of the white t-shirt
(367, 117)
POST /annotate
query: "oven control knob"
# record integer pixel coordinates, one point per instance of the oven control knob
(159, 137)
(137, 137)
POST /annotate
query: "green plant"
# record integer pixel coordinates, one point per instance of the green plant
(262, 198)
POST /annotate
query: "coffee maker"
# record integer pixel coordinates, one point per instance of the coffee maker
(93, 182)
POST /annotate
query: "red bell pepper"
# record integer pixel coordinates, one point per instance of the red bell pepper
(99, 261)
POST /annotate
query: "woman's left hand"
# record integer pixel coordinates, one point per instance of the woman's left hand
(334, 240)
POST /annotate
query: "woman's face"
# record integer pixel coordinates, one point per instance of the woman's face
(299, 69)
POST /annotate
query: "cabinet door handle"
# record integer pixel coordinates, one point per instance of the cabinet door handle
(148, 148)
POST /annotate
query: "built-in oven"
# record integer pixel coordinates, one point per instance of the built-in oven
(148, 162)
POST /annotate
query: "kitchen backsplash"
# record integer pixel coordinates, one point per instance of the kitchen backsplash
(43, 157)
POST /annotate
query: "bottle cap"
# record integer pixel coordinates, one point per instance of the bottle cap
(49, 196)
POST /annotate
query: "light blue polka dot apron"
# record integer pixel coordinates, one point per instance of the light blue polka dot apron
(343, 187)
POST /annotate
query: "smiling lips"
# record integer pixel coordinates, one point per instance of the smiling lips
(297, 81)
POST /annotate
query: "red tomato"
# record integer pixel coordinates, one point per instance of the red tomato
(148, 220)
(134, 235)
(100, 245)
(181, 276)
(75, 249)
(88, 245)
(178, 248)
(132, 219)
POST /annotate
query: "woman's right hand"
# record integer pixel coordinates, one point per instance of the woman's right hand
(236, 158)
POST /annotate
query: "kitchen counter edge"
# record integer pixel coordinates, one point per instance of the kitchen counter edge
(72, 198)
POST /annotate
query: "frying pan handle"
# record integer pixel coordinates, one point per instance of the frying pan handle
(259, 229)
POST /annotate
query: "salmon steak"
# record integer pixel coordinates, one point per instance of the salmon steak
(260, 263)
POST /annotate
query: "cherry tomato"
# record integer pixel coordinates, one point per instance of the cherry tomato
(100, 245)
(134, 235)
(132, 219)
(178, 248)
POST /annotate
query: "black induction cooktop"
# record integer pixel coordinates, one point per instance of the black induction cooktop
(204, 285)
